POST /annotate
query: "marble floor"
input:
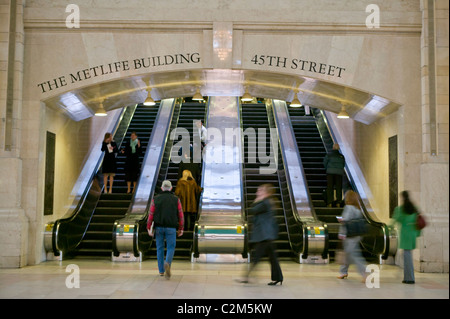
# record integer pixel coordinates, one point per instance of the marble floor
(105, 279)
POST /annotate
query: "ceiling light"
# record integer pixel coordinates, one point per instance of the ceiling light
(100, 110)
(197, 96)
(295, 102)
(246, 97)
(343, 113)
(149, 101)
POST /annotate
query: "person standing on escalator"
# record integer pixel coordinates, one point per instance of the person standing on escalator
(188, 192)
(109, 166)
(334, 163)
(132, 151)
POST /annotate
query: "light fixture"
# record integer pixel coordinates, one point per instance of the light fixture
(149, 101)
(100, 110)
(343, 113)
(197, 96)
(295, 102)
(246, 97)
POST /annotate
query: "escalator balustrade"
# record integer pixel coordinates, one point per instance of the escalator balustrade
(98, 238)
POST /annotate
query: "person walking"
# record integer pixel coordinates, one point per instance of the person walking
(334, 163)
(109, 166)
(352, 250)
(132, 151)
(188, 192)
(406, 216)
(264, 232)
(167, 215)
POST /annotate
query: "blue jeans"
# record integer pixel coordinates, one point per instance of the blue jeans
(170, 235)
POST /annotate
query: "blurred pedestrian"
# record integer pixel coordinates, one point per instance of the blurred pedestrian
(406, 216)
(167, 215)
(132, 151)
(352, 251)
(334, 163)
(109, 166)
(188, 192)
(264, 232)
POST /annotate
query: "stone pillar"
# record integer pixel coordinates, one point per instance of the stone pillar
(13, 221)
(434, 173)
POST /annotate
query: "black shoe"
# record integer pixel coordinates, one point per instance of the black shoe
(408, 282)
(274, 283)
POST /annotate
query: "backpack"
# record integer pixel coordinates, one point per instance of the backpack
(420, 222)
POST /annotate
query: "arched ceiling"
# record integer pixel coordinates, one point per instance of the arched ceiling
(82, 103)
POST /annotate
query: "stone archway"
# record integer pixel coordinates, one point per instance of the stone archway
(82, 102)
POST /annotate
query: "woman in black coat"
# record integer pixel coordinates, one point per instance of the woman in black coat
(264, 232)
(132, 151)
(109, 166)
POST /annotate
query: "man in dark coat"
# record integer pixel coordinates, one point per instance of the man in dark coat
(334, 163)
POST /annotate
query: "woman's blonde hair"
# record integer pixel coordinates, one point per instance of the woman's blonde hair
(187, 175)
(351, 198)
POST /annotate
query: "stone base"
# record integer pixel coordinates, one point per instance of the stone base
(13, 238)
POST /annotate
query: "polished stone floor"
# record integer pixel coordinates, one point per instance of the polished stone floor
(105, 279)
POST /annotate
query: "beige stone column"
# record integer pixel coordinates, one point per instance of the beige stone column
(434, 173)
(13, 221)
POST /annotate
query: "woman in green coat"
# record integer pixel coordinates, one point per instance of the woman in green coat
(406, 216)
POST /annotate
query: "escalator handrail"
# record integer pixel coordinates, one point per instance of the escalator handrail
(59, 238)
(302, 179)
(281, 166)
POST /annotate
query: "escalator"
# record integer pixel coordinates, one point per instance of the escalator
(312, 151)
(98, 239)
(87, 229)
(189, 112)
(255, 116)
(313, 144)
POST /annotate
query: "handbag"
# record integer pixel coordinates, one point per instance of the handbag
(356, 227)
(420, 222)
